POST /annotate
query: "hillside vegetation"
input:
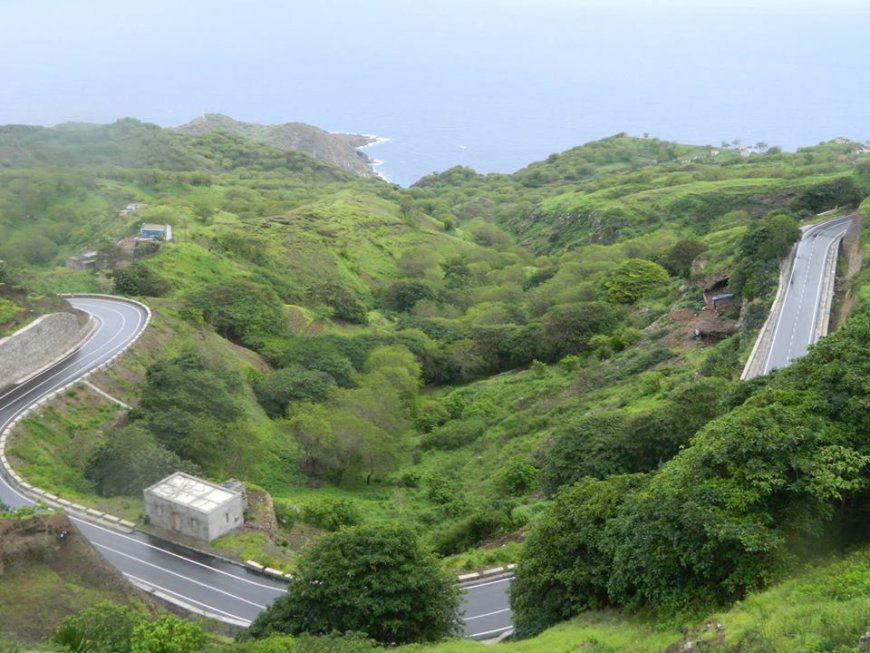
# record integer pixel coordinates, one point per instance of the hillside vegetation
(504, 363)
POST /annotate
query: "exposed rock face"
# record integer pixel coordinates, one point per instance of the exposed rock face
(338, 149)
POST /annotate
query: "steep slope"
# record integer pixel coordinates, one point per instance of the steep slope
(338, 149)
(44, 578)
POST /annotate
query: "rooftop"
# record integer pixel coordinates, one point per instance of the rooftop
(191, 491)
(153, 227)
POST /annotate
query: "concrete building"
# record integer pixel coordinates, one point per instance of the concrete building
(86, 261)
(156, 231)
(194, 507)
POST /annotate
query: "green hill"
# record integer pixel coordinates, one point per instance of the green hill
(453, 356)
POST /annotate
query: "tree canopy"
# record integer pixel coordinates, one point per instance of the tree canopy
(376, 580)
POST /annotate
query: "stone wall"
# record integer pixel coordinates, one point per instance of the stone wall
(40, 344)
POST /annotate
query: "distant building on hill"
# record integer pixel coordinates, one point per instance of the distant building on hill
(86, 261)
(130, 209)
(156, 231)
(195, 507)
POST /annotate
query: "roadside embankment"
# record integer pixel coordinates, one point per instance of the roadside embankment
(49, 571)
(41, 344)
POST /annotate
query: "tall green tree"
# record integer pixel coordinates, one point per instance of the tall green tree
(376, 580)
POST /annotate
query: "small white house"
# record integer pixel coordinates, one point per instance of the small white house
(194, 507)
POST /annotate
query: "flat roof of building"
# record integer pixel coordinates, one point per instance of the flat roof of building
(191, 491)
(148, 226)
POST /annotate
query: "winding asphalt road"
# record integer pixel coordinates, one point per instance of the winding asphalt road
(796, 328)
(197, 582)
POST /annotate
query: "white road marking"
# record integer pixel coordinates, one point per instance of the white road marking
(280, 590)
(492, 582)
(492, 632)
(182, 576)
(488, 614)
(186, 598)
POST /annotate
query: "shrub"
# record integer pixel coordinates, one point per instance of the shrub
(516, 477)
(634, 278)
(167, 635)
(332, 513)
(137, 279)
(471, 531)
(454, 434)
(107, 626)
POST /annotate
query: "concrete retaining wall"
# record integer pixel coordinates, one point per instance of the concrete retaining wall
(41, 344)
(25, 489)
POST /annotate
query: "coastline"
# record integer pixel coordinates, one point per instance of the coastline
(374, 163)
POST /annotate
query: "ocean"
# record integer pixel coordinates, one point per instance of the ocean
(490, 84)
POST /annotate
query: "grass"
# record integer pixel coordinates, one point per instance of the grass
(41, 582)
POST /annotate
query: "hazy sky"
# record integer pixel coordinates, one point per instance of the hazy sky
(785, 71)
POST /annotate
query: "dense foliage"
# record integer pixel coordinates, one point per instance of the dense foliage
(373, 580)
(780, 476)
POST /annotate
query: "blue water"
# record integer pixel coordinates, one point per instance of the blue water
(492, 84)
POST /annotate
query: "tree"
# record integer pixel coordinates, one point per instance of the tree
(420, 263)
(191, 410)
(130, 460)
(568, 327)
(566, 561)
(403, 295)
(377, 580)
(729, 513)
(344, 303)
(241, 310)
(678, 259)
(292, 383)
(321, 455)
(760, 250)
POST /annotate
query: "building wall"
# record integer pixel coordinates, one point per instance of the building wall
(193, 523)
(40, 344)
(227, 518)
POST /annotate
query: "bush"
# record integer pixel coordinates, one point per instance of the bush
(471, 531)
(376, 580)
(238, 309)
(517, 477)
(633, 279)
(332, 513)
(107, 626)
(139, 280)
(286, 514)
(454, 434)
(343, 302)
(167, 635)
